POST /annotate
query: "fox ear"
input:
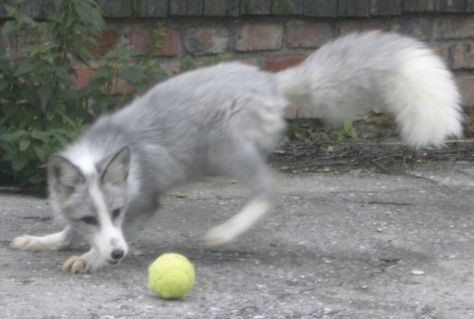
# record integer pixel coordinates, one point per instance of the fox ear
(117, 169)
(63, 176)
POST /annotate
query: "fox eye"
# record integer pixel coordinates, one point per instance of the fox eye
(116, 213)
(91, 220)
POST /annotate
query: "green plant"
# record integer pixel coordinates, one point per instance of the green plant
(224, 57)
(187, 64)
(40, 108)
(347, 131)
(305, 131)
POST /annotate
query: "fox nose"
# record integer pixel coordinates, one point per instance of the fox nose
(117, 254)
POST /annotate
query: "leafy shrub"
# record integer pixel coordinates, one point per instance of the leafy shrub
(348, 131)
(40, 108)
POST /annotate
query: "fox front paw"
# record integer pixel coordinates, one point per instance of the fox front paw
(53, 241)
(89, 262)
(31, 243)
(78, 265)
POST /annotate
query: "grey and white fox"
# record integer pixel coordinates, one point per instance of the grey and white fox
(223, 119)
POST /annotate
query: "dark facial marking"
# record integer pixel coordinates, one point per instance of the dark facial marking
(116, 213)
(91, 220)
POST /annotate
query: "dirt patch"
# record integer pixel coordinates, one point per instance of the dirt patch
(382, 157)
(314, 147)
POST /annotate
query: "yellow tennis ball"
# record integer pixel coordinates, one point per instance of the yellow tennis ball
(171, 276)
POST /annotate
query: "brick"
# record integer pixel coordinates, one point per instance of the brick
(186, 7)
(83, 75)
(121, 87)
(223, 8)
(442, 49)
(353, 8)
(418, 27)
(116, 9)
(307, 34)
(275, 64)
(287, 7)
(466, 87)
(255, 7)
(141, 38)
(108, 40)
(463, 55)
(152, 8)
(418, 5)
(258, 37)
(207, 40)
(360, 25)
(448, 27)
(450, 5)
(385, 7)
(320, 8)
(169, 45)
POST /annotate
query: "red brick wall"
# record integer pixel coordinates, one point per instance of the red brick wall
(269, 35)
(276, 43)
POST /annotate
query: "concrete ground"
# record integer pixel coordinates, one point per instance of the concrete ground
(352, 245)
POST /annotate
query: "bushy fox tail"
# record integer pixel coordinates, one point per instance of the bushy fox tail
(353, 74)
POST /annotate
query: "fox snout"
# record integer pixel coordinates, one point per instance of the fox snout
(111, 244)
(117, 254)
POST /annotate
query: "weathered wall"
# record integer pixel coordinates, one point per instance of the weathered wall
(279, 33)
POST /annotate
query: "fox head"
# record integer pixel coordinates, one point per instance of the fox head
(93, 202)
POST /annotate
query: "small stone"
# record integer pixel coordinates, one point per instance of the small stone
(327, 310)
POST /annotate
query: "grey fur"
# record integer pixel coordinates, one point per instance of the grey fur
(223, 119)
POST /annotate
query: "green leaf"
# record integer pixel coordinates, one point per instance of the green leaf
(133, 75)
(35, 179)
(40, 152)
(9, 28)
(41, 136)
(63, 75)
(12, 137)
(347, 125)
(61, 139)
(19, 163)
(23, 66)
(8, 112)
(24, 144)
(3, 84)
(30, 95)
(45, 93)
(187, 64)
(11, 11)
(5, 66)
(220, 58)
(103, 72)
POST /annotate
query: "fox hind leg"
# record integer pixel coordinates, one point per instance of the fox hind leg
(249, 166)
